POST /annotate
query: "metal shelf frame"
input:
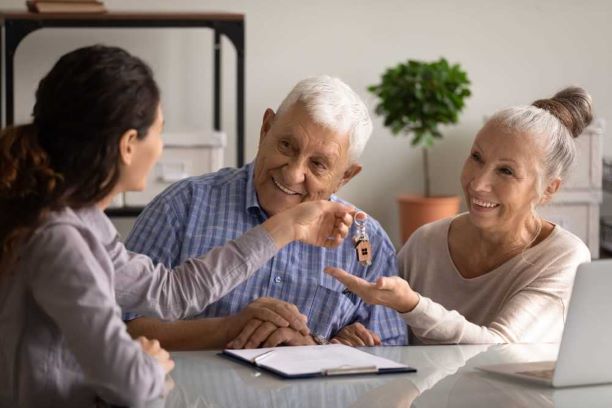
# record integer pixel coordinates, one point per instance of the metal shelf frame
(16, 26)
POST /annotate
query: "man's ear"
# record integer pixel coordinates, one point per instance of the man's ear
(551, 189)
(266, 123)
(353, 170)
(126, 146)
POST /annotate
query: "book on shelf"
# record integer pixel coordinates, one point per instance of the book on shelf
(52, 6)
(67, 1)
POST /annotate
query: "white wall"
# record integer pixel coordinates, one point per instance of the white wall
(514, 52)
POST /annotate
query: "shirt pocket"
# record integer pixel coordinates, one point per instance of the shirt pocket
(331, 310)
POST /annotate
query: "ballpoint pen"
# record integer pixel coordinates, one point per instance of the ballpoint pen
(255, 360)
(350, 370)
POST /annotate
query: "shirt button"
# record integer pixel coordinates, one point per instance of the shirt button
(277, 279)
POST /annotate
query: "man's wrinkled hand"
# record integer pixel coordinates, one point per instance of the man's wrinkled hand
(264, 334)
(356, 335)
(274, 312)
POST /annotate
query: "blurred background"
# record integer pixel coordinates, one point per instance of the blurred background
(513, 52)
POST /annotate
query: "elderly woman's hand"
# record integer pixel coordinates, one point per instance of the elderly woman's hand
(393, 291)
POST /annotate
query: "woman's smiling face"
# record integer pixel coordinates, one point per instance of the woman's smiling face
(500, 178)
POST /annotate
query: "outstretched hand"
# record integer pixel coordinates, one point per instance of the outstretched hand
(321, 223)
(393, 291)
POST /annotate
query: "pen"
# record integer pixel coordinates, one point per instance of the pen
(350, 370)
(255, 360)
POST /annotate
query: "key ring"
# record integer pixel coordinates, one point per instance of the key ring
(362, 244)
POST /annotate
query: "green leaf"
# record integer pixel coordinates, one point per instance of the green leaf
(415, 97)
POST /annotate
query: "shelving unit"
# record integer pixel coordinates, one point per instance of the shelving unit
(18, 25)
(606, 219)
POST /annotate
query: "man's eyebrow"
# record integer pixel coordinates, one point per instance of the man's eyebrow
(328, 156)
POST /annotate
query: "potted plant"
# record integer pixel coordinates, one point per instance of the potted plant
(415, 98)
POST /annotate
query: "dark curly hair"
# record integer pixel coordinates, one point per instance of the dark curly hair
(69, 154)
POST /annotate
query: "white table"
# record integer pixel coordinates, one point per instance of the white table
(446, 377)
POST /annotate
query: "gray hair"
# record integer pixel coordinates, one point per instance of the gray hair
(333, 104)
(555, 122)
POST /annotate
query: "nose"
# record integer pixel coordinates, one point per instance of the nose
(294, 172)
(481, 181)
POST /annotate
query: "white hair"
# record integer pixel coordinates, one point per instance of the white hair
(553, 137)
(333, 104)
(554, 123)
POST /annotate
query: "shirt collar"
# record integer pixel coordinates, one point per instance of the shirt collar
(251, 195)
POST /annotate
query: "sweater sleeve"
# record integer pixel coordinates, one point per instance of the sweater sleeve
(147, 288)
(532, 313)
(76, 290)
(529, 316)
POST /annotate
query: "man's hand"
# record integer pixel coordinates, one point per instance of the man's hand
(393, 291)
(356, 335)
(274, 313)
(264, 334)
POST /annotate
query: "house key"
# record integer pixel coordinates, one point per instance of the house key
(362, 244)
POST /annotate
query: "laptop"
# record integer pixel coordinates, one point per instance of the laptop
(585, 353)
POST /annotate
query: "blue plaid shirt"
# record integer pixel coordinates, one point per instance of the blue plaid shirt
(197, 214)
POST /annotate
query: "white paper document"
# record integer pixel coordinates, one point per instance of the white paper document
(313, 361)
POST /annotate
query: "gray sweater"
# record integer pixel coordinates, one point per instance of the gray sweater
(62, 340)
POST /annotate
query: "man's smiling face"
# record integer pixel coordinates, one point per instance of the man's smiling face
(299, 160)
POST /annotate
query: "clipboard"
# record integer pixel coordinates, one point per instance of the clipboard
(293, 362)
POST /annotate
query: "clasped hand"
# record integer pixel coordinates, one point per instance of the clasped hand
(258, 320)
(269, 322)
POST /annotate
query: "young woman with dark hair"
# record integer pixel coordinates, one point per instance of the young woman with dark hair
(64, 274)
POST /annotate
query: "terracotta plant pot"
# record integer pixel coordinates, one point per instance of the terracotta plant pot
(418, 210)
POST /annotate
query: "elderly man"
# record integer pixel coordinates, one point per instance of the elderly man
(308, 149)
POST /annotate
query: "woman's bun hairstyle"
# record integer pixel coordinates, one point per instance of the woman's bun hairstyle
(572, 106)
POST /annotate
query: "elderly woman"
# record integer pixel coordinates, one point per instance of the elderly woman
(498, 273)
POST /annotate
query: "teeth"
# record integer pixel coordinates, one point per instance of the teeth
(485, 204)
(284, 189)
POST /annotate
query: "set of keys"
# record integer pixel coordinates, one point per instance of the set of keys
(362, 245)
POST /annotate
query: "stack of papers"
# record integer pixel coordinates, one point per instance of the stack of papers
(315, 361)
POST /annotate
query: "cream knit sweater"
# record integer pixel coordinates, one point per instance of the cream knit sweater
(522, 301)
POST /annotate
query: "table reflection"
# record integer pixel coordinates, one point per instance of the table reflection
(204, 379)
(473, 388)
(447, 377)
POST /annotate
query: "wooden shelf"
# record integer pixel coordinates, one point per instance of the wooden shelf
(133, 16)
